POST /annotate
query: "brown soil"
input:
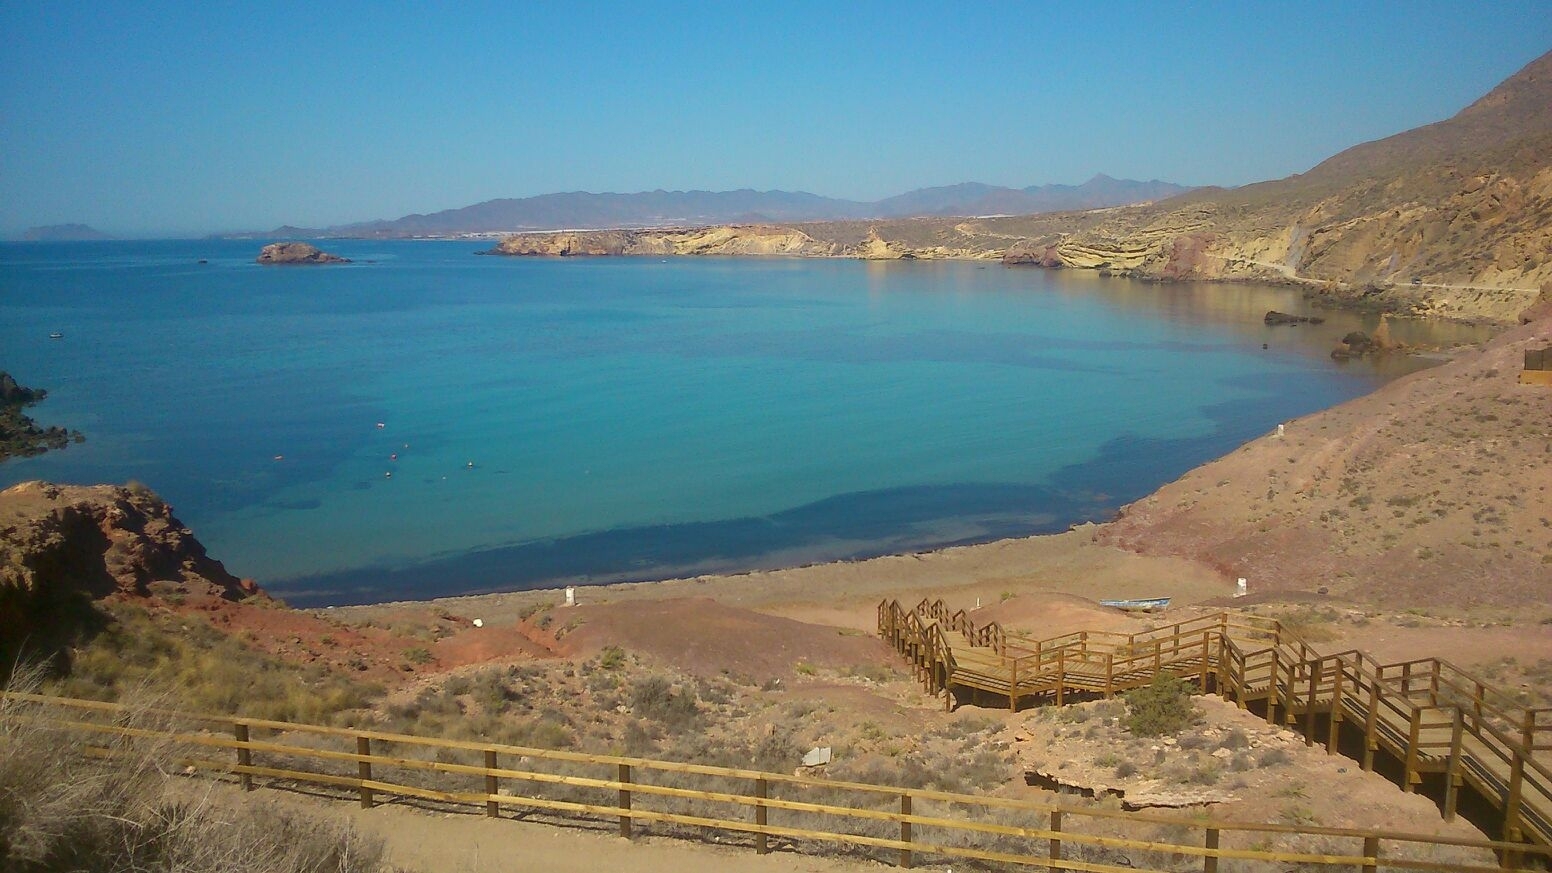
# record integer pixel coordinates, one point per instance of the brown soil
(706, 638)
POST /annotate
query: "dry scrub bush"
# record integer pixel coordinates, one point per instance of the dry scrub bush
(201, 669)
(63, 808)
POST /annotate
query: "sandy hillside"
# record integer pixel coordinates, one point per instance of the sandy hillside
(1434, 490)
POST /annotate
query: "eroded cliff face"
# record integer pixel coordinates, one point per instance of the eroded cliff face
(822, 240)
(1480, 251)
(101, 540)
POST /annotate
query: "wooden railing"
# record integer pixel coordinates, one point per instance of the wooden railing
(763, 810)
(1431, 716)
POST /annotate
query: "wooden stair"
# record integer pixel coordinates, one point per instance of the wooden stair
(1448, 730)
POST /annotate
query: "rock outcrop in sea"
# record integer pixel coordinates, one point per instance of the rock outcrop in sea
(297, 253)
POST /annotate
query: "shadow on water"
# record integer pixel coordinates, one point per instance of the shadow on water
(845, 527)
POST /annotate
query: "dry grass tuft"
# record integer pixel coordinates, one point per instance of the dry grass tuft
(71, 800)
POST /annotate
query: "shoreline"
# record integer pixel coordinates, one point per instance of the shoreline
(1191, 539)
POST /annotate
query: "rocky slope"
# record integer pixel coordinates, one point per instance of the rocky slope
(64, 545)
(1451, 219)
(1436, 489)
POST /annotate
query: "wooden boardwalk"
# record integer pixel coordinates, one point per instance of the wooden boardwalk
(1430, 725)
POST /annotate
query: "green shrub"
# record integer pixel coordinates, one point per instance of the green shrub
(611, 658)
(655, 698)
(1162, 708)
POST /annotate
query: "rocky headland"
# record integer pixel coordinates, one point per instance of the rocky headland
(297, 253)
(20, 436)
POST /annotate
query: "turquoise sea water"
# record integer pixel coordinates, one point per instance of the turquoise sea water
(629, 418)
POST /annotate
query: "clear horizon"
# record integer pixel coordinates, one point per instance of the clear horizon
(164, 119)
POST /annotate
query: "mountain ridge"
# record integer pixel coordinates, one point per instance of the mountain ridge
(584, 210)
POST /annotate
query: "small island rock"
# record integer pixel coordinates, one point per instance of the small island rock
(1274, 319)
(297, 253)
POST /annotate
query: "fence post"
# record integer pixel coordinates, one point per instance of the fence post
(1056, 841)
(1370, 741)
(1271, 691)
(1334, 724)
(1371, 854)
(1210, 862)
(1206, 651)
(625, 800)
(761, 843)
(905, 831)
(492, 785)
(244, 755)
(364, 770)
(1452, 767)
(1061, 674)
(1410, 770)
(1309, 706)
(1511, 832)
(1013, 688)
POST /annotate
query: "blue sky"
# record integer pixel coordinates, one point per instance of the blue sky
(190, 118)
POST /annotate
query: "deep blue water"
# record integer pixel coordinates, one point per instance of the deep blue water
(630, 418)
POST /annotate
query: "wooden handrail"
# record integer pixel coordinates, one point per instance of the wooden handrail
(1412, 707)
(373, 781)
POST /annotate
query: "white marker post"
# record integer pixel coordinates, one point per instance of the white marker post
(1239, 589)
(571, 595)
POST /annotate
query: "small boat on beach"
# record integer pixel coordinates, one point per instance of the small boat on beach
(1146, 604)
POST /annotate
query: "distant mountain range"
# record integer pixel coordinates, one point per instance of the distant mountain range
(580, 210)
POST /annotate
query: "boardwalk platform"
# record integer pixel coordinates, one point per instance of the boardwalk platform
(1441, 730)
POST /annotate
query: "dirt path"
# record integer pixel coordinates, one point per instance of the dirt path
(417, 840)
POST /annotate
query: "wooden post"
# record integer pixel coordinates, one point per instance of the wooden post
(1056, 842)
(1511, 831)
(625, 800)
(1223, 662)
(1309, 706)
(1206, 668)
(1271, 691)
(761, 841)
(492, 785)
(1370, 739)
(364, 770)
(1452, 767)
(244, 756)
(1061, 674)
(1371, 854)
(1210, 862)
(1109, 675)
(905, 831)
(1409, 776)
(1334, 724)
(1013, 688)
